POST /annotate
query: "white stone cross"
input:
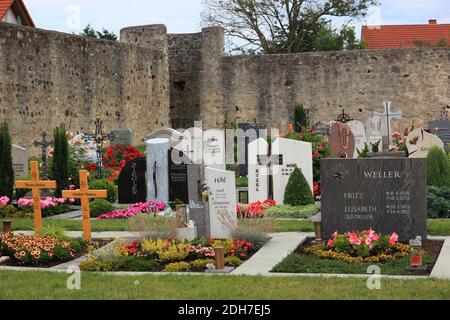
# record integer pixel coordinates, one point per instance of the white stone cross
(389, 115)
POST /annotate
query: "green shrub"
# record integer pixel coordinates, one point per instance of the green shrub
(177, 267)
(103, 184)
(100, 206)
(298, 192)
(438, 168)
(173, 204)
(301, 119)
(6, 166)
(7, 211)
(242, 182)
(96, 264)
(133, 263)
(438, 202)
(298, 212)
(233, 261)
(52, 231)
(60, 161)
(201, 263)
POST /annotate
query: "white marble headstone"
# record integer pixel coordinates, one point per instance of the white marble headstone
(359, 131)
(419, 143)
(20, 161)
(214, 149)
(222, 202)
(295, 154)
(258, 182)
(158, 170)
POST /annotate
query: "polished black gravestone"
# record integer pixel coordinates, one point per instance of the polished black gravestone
(251, 132)
(178, 176)
(132, 182)
(387, 195)
(198, 205)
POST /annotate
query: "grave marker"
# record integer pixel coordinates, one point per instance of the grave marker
(85, 195)
(44, 145)
(35, 184)
(342, 141)
(419, 143)
(123, 138)
(157, 170)
(132, 182)
(389, 115)
(442, 129)
(387, 195)
(359, 132)
(20, 161)
(198, 199)
(258, 183)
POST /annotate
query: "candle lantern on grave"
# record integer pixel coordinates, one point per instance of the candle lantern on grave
(99, 138)
(416, 252)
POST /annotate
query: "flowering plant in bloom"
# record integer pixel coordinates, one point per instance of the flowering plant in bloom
(135, 209)
(255, 209)
(241, 249)
(35, 250)
(4, 201)
(47, 203)
(366, 246)
(398, 142)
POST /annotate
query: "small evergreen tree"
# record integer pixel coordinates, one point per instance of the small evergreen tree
(438, 168)
(300, 118)
(60, 164)
(6, 166)
(298, 192)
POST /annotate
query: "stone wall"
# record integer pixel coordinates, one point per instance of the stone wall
(48, 78)
(266, 87)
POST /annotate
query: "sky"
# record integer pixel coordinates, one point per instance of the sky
(183, 16)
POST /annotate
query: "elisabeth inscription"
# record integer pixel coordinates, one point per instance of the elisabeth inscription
(387, 195)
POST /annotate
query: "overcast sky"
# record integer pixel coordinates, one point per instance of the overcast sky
(183, 16)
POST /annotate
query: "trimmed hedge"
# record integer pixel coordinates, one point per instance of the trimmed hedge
(293, 212)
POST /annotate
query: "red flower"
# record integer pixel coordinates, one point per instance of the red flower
(316, 154)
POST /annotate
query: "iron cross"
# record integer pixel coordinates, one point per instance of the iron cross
(44, 144)
(99, 138)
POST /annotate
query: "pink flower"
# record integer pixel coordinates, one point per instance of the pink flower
(354, 239)
(316, 154)
(394, 239)
(4, 201)
(320, 146)
(71, 200)
(396, 134)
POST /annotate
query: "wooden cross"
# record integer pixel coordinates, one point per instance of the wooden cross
(85, 195)
(36, 185)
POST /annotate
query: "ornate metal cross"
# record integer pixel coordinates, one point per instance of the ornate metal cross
(44, 144)
(99, 138)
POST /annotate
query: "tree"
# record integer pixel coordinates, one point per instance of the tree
(92, 33)
(298, 192)
(60, 164)
(438, 168)
(282, 26)
(6, 166)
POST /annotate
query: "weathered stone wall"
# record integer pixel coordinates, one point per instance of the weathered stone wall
(266, 87)
(48, 78)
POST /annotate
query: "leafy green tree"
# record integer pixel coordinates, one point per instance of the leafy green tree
(286, 26)
(298, 192)
(438, 168)
(6, 166)
(60, 163)
(90, 32)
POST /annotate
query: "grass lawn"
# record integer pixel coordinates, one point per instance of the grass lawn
(435, 227)
(301, 263)
(44, 285)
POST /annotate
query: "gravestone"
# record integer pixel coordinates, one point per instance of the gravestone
(249, 134)
(132, 182)
(175, 137)
(214, 149)
(123, 138)
(198, 209)
(386, 120)
(258, 183)
(222, 202)
(387, 195)
(442, 129)
(178, 176)
(419, 143)
(20, 161)
(342, 141)
(294, 154)
(157, 170)
(359, 132)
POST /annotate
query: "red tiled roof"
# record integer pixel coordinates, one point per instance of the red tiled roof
(404, 36)
(20, 6)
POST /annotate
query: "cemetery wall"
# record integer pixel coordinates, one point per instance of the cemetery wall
(48, 78)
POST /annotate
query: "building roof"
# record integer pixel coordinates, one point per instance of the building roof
(404, 36)
(19, 8)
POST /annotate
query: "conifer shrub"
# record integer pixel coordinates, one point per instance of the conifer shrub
(298, 192)
(6, 166)
(438, 168)
(60, 163)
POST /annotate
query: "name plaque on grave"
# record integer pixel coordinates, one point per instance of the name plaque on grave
(387, 195)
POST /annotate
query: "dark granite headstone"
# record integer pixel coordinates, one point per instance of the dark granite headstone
(342, 141)
(387, 195)
(442, 129)
(132, 182)
(252, 132)
(178, 177)
(198, 209)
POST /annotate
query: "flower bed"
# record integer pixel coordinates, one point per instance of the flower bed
(50, 206)
(37, 250)
(169, 255)
(134, 210)
(254, 209)
(270, 209)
